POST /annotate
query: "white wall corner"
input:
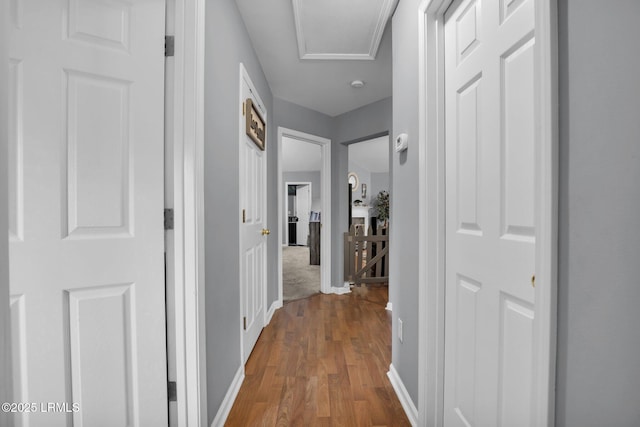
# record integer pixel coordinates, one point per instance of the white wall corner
(227, 402)
(403, 395)
(272, 310)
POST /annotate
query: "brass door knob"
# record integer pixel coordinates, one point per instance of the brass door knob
(266, 231)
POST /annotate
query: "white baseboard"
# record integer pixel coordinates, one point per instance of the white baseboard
(389, 306)
(340, 290)
(276, 305)
(228, 400)
(403, 395)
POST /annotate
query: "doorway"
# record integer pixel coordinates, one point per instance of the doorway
(301, 247)
(369, 175)
(493, 191)
(369, 182)
(301, 206)
(304, 206)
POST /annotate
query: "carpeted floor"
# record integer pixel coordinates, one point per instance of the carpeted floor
(299, 279)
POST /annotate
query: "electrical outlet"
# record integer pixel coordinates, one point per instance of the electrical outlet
(400, 329)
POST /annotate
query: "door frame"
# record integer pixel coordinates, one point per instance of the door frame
(432, 211)
(325, 196)
(286, 205)
(6, 394)
(188, 203)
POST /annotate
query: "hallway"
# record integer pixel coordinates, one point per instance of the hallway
(322, 361)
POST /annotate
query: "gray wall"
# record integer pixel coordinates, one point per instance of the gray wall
(295, 117)
(379, 182)
(314, 178)
(5, 371)
(598, 375)
(358, 125)
(227, 44)
(364, 177)
(403, 268)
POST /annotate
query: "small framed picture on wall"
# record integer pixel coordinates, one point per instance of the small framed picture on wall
(256, 128)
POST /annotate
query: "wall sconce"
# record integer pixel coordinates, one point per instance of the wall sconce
(364, 191)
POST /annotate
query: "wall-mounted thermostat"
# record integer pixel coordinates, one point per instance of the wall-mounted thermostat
(402, 142)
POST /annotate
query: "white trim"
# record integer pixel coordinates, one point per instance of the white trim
(340, 290)
(272, 310)
(188, 203)
(229, 399)
(432, 212)
(286, 205)
(403, 395)
(244, 76)
(325, 195)
(546, 167)
(6, 393)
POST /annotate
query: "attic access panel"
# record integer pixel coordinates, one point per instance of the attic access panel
(340, 29)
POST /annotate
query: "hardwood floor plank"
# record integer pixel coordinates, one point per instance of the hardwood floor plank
(363, 418)
(356, 385)
(322, 361)
(324, 408)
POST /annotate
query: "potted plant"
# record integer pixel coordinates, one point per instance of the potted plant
(381, 206)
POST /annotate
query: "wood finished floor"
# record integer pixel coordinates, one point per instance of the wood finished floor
(322, 361)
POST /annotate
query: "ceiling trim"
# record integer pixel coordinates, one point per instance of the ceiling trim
(385, 12)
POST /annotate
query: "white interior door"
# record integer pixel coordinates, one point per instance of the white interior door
(86, 201)
(253, 241)
(490, 227)
(303, 201)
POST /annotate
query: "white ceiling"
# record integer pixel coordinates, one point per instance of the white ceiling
(299, 156)
(340, 27)
(372, 155)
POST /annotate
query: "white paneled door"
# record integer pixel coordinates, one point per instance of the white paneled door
(253, 231)
(86, 254)
(303, 211)
(490, 228)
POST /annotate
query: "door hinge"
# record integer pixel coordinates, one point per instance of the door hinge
(244, 216)
(168, 219)
(244, 322)
(169, 45)
(172, 391)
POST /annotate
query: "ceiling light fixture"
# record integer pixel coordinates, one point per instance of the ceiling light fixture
(357, 84)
